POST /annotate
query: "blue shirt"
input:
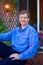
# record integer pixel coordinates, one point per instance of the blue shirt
(24, 41)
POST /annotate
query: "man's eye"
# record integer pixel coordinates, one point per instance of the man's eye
(20, 17)
(23, 17)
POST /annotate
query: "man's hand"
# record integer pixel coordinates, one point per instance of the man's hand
(14, 56)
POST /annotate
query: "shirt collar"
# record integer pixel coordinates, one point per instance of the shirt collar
(24, 27)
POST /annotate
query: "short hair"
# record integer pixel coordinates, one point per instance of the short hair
(24, 11)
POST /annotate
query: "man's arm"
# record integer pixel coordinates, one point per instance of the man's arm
(6, 36)
(33, 46)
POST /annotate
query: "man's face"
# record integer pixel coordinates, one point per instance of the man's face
(23, 19)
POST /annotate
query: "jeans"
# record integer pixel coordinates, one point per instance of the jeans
(5, 52)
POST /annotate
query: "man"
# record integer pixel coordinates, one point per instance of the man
(24, 42)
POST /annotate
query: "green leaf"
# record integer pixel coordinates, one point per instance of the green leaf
(14, 3)
(3, 28)
(1, 21)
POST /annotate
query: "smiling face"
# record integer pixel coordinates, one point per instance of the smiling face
(23, 19)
